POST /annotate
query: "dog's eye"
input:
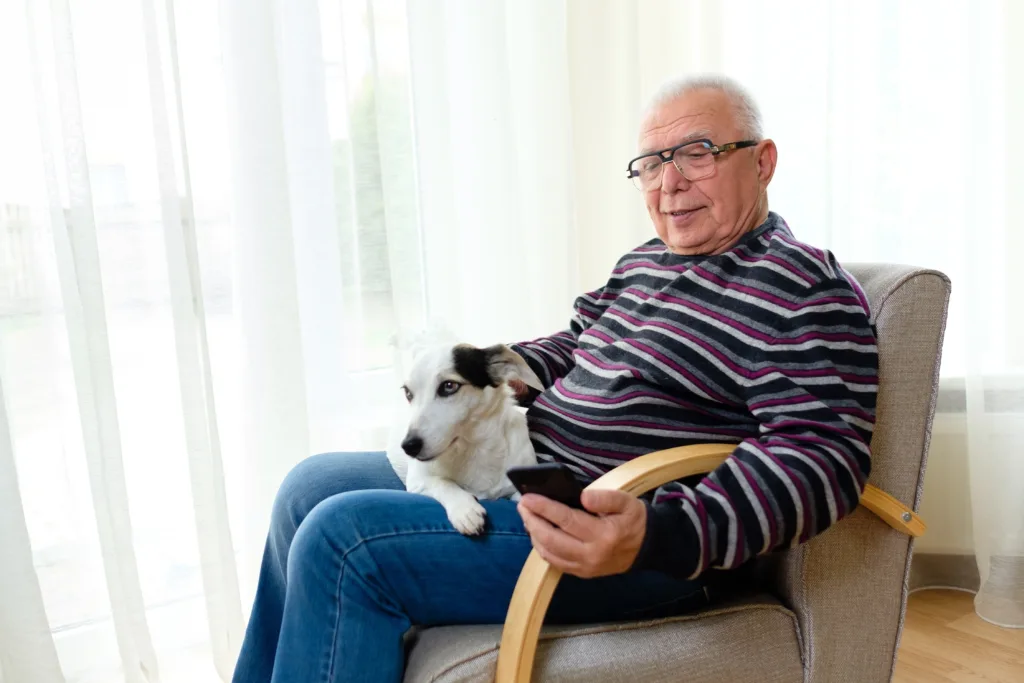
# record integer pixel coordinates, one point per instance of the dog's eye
(448, 388)
(408, 394)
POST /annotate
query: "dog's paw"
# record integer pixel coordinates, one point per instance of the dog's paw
(467, 517)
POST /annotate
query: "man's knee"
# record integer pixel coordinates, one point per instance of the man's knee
(337, 525)
(321, 476)
(298, 493)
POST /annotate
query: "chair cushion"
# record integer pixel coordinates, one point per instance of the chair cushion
(752, 640)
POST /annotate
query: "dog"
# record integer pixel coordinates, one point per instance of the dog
(464, 428)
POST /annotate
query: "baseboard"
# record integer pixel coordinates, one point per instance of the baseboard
(929, 570)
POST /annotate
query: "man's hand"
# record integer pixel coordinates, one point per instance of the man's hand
(519, 388)
(587, 545)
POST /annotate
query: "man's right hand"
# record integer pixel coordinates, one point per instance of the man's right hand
(519, 388)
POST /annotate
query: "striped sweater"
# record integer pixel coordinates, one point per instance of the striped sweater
(768, 345)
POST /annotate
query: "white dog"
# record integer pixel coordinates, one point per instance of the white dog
(464, 428)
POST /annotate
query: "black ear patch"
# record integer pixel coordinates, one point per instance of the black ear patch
(472, 365)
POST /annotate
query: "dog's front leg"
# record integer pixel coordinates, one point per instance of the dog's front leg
(464, 511)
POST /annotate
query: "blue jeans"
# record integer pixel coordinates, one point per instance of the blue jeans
(353, 561)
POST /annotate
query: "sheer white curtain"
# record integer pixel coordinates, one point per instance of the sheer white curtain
(213, 218)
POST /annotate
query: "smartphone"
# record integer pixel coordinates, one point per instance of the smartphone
(553, 480)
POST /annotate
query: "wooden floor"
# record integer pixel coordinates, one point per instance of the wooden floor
(944, 640)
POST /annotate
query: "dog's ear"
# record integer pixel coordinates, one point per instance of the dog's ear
(504, 365)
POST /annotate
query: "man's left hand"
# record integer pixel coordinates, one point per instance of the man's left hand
(587, 545)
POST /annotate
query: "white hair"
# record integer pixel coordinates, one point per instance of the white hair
(748, 116)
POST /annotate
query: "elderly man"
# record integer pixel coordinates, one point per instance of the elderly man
(724, 328)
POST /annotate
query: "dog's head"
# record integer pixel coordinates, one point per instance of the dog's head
(449, 387)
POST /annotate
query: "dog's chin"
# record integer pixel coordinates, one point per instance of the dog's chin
(427, 457)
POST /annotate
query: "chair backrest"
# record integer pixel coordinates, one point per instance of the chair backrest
(848, 585)
(908, 308)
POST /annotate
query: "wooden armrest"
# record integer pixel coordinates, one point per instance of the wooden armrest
(538, 579)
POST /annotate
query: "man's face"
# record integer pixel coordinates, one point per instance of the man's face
(707, 216)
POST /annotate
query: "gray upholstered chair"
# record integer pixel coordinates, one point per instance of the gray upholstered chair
(829, 611)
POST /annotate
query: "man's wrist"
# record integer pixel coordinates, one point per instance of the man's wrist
(670, 542)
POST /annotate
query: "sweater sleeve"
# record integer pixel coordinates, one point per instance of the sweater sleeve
(813, 395)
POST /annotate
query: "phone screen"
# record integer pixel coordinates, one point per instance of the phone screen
(551, 480)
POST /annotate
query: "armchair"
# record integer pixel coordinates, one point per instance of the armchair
(830, 610)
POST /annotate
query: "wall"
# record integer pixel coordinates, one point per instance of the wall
(946, 504)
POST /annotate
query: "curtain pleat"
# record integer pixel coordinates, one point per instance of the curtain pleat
(216, 550)
(323, 313)
(27, 652)
(78, 265)
(275, 416)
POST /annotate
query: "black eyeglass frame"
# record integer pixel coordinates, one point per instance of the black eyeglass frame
(668, 153)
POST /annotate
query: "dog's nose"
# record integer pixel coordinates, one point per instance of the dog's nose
(412, 445)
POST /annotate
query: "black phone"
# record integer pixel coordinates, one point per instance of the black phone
(553, 480)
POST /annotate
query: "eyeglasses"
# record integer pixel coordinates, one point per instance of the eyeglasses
(694, 160)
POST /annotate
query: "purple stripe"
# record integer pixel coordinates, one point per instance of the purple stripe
(857, 290)
(740, 536)
(586, 465)
(856, 412)
(549, 367)
(789, 438)
(564, 341)
(795, 400)
(547, 431)
(560, 388)
(564, 351)
(607, 294)
(830, 473)
(704, 531)
(541, 353)
(790, 401)
(610, 423)
(600, 335)
(545, 346)
(678, 368)
(756, 488)
(749, 331)
(845, 376)
(648, 264)
(776, 260)
(667, 298)
(738, 369)
(797, 484)
(609, 366)
(797, 422)
(788, 239)
(550, 349)
(828, 337)
(848, 377)
(765, 296)
(696, 431)
(696, 340)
